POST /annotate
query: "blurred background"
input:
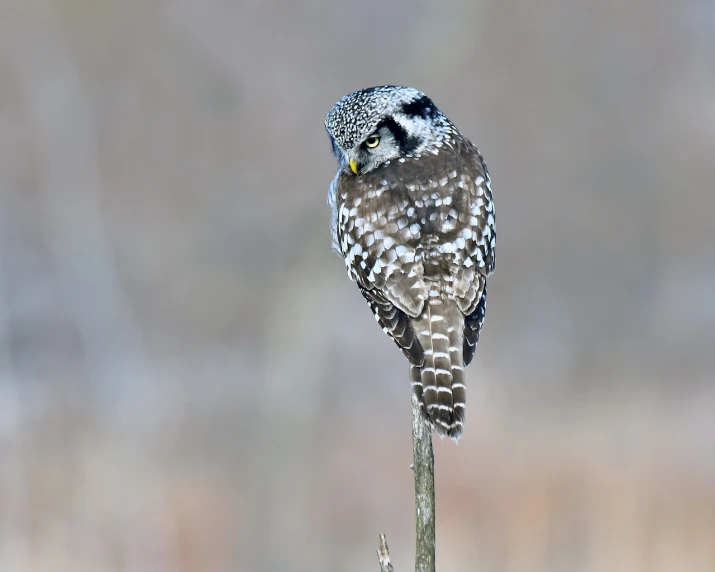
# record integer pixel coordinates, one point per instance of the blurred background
(189, 382)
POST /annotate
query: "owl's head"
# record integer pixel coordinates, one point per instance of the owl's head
(373, 126)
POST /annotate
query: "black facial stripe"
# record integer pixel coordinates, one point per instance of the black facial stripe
(422, 107)
(407, 144)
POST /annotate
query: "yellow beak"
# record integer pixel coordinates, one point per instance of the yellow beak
(353, 166)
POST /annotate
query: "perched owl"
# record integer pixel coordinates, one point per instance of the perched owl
(413, 217)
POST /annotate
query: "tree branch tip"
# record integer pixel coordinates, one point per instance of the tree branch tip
(383, 555)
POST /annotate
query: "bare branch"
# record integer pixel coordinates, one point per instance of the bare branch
(423, 468)
(424, 490)
(383, 555)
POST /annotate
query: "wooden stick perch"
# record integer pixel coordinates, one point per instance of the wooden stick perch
(423, 469)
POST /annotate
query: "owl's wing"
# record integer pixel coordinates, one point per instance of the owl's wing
(379, 251)
(390, 297)
(474, 238)
(395, 323)
(481, 206)
(472, 326)
(479, 248)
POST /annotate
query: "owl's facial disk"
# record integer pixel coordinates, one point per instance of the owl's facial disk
(371, 127)
(395, 136)
(376, 150)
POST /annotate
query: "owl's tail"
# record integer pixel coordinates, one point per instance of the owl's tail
(439, 382)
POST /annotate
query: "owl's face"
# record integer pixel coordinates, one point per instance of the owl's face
(372, 127)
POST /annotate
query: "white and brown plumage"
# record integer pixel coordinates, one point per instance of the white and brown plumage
(413, 218)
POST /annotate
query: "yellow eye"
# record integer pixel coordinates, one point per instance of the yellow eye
(372, 141)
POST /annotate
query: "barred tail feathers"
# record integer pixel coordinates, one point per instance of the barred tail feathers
(439, 383)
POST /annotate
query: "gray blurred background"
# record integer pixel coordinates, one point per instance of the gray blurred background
(189, 382)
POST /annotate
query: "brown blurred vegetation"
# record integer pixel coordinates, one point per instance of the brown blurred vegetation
(188, 381)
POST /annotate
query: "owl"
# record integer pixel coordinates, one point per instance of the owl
(413, 218)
